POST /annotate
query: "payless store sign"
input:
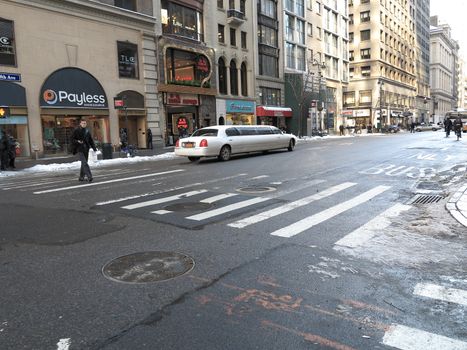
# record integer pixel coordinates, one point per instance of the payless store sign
(72, 88)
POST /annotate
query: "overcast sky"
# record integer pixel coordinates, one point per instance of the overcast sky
(453, 12)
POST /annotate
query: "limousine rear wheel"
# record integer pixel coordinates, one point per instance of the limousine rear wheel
(224, 154)
(194, 159)
(291, 146)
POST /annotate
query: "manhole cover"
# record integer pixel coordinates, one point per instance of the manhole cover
(188, 206)
(148, 267)
(256, 189)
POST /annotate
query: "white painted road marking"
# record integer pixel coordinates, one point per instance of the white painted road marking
(366, 232)
(290, 206)
(63, 344)
(161, 212)
(324, 215)
(406, 338)
(434, 291)
(223, 210)
(162, 200)
(108, 181)
(217, 198)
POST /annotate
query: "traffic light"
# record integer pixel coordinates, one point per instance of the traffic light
(4, 112)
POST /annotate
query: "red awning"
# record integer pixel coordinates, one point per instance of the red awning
(263, 111)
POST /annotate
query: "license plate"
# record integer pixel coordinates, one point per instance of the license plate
(188, 144)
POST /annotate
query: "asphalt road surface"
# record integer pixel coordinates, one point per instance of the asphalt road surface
(341, 244)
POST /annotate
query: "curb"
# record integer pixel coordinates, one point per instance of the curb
(457, 205)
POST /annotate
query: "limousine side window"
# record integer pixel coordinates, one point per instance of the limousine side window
(276, 130)
(232, 132)
(248, 131)
(205, 132)
(264, 131)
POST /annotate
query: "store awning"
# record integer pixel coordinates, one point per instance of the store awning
(263, 111)
(12, 94)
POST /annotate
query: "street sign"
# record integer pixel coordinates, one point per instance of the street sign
(4, 112)
(119, 103)
(10, 77)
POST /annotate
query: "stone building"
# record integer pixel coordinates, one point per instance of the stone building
(64, 60)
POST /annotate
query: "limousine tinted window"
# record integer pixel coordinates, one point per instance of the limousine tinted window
(276, 130)
(205, 132)
(232, 132)
(264, 131)
(248, 131)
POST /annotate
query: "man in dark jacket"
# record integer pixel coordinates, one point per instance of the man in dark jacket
(447, 126)
(82, 141)
(458, 127)
(149, 139)
(3, 150)
(11, 152)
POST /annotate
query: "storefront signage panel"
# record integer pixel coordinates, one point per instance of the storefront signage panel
(10, 77)
(235, 106)
(7, 43)
(361, 113)
(72, 88)
(127, 60)
(182, 99)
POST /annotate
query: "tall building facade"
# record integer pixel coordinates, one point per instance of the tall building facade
(422, 111)
(382, 68)
(230, 31)
(64, 60)
(316, 62)
(444, 69)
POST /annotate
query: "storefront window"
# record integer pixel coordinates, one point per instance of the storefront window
(7, 43)
(57, 131)
(240, 119)
(127, 60)
(187, 68)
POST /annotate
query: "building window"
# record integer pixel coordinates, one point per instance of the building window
(364, 1)
(365, 97)
(233, 78)
(270, 97)
(268, 65)
(351, 56)
(349, 98)
(126, 4)
(269, 8)
(366, 71)
(351, 37)
(220, 33)
(127, 60)
(181, 20)
(232, 4)
(350, 19)
(220, 4)
(242, 6)
(365, 54)
(243, 39)
(267, 36)
(186, 67)
(365, 35)
(365, 16)
(222, 72)
(318, 7)
(244, 79)
(310, 29)
(7, 43)
(351, 72)
(233, 37)
(290, 57)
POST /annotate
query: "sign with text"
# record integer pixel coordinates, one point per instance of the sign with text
(182, 99)
(10, 77)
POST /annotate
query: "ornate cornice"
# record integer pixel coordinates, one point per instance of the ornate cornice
(94, 10)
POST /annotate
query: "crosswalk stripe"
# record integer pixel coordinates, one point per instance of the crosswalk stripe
(226, 209)
(324, 215)
(161, 212)
(290, 206)
(434, 291)
(108, 181)
(366, 232)
(162, 200)
(217, 198)
(406, 338)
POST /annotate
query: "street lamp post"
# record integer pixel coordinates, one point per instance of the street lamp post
(316, 62)
(380, 124)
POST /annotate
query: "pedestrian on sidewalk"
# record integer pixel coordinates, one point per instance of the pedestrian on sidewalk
(11, 152)
(82, 141)
(458, 127)
(149, 139)
(447, 126)
(341, 129)
(3, 150)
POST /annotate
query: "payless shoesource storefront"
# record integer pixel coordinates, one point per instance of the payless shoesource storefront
(68, 95)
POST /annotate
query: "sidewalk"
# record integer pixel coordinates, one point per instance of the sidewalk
(24, 163)
(457, 205)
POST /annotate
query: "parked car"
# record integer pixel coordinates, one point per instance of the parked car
(222, 141)
(391, 128)
(426, 127)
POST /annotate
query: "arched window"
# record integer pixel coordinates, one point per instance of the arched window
(244, 80)
(233, 78)
(222, 76)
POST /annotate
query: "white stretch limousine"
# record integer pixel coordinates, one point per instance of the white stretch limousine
(224, 140)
